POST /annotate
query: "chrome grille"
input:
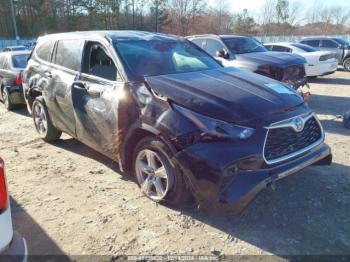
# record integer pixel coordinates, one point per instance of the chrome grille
(285, 141)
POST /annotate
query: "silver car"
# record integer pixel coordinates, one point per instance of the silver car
(339, 46)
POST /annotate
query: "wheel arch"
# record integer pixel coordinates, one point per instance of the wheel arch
(133, 137)
(32, 94)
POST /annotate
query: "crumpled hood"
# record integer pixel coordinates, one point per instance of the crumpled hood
(278, 59)
(228, 94)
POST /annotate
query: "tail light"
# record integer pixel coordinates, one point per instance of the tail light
(3, 188)
(18, 80)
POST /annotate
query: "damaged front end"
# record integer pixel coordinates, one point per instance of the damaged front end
(295, 77)
(226, 162)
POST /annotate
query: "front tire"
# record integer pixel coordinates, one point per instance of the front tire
(42, 121)
(7, 100)
(158, 177)
(346, 64)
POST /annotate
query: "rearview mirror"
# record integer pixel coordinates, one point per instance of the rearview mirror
(223, 54)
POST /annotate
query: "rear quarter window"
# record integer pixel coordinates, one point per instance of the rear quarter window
(69, 53)
(44, 50)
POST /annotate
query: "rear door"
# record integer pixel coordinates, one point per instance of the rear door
(38, 72)
(67, 62)
(96, 97)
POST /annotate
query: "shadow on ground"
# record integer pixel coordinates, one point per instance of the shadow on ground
(78, 148)
(307, 214)
(21, 110)
(330, 80)
(36, 237)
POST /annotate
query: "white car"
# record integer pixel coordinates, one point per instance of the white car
(319, 63)
(13, 247)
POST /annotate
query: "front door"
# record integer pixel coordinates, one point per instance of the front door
(332, 46)
(96, 99)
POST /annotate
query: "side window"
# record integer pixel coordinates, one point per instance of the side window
(44, 50)
(68, 54)
(199, 42)
(314, 43)
(281, 49)
(329, 44)
(269, 47)
(98, 63)
(213, 46)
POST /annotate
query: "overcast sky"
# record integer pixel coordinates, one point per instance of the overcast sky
(254, 5)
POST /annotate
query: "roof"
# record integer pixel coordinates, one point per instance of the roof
(280, 43)
(218, 36)
(317, 38)
(113, 35)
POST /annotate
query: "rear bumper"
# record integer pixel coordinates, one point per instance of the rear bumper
(321, 69)
(16, 94)
(17, 251)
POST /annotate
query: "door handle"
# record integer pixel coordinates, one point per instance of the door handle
(79, 85)
(93, 92)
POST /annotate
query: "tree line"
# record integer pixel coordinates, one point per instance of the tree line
(180, 17)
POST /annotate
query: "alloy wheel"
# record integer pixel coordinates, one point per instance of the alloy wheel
(153, 175)
(40, 118)
(347, 65)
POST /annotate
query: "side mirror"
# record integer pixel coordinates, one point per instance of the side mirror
(223, 54)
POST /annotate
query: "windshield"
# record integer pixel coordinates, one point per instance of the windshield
(305, 48)
(162, 57)
(20, 61)
(242, 45)
(342, 41)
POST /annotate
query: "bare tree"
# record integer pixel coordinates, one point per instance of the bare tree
(183, 13)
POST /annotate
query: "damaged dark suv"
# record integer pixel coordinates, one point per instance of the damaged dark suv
(170, 114)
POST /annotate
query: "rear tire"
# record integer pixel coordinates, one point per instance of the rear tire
(7, 100)
(158, 177)
(346, 64)
(42, 121)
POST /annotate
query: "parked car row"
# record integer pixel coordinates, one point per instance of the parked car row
(247, 53)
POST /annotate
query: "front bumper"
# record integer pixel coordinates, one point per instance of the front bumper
(232, 188)
(17, 251)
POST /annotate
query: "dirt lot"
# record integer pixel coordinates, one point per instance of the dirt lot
(68, 199)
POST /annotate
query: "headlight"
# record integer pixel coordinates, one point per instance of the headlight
(213, 129)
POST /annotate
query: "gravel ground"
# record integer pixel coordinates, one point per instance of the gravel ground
(68, 199)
